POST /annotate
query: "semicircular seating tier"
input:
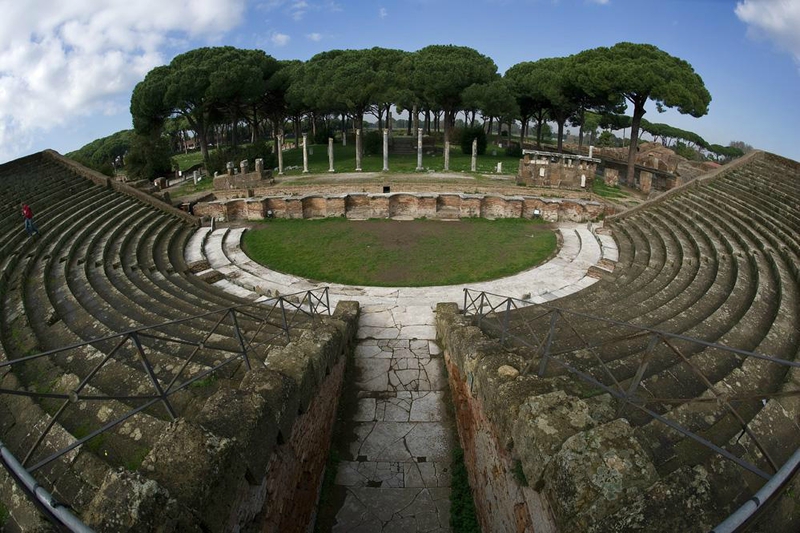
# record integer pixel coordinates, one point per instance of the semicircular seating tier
(716, 261)
(109, 259)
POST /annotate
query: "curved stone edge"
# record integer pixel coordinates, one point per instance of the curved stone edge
(254, 456)
(546, 455)
(586, 254)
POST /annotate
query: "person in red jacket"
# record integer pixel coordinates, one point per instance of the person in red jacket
(27, 215)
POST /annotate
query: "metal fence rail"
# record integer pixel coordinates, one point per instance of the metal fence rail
(226, 341)
(552, 337)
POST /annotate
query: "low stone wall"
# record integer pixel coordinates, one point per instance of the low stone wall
(541, 458)
(413, 205)
(252, 458)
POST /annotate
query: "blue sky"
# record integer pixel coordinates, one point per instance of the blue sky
(67, 69)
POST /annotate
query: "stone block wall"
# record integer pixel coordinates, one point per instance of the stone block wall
(545, 456)
(566, 173)
(254, 456)
(242, 181)
(414, 205)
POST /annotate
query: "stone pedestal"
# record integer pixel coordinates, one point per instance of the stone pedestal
(474, 163)
(244, 166)
(611, 177)
(305, 153)
(358, 150)
(260, 166)
(229, 168)
(419, 150)
(280, 154)
(646, 182)
(386, 150)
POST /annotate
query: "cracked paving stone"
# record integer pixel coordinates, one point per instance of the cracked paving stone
(402, 441)
(401, 510)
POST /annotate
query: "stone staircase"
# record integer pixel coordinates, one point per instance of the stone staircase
(714, 261)
(106, 262)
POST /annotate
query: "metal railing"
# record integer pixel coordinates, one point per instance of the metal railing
(558, 344)
(224, 340)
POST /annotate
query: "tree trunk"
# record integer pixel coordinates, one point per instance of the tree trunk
(580, 130)
(416, 119)
(560, 148)
(638, 113)
(428, 121)
(489, 126)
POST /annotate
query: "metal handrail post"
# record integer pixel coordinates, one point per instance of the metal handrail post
(548, 343)
(152, 375)
(241, 339)
(506, 316)
(283, 318)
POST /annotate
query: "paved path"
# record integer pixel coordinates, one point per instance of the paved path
(395, 469)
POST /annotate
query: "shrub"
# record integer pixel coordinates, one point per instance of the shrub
(468, 134)
(514, 149)
(373, 142)
(322, 135)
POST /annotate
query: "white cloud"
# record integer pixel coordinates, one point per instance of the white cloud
(601, 2)
(279, 39)
(316, 37)
(61, 60)
(382, 13)
(297, 9)
(777, 20)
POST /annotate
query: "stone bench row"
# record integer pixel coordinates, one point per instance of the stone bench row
(106, 263)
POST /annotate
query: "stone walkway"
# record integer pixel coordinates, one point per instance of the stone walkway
(395, 468)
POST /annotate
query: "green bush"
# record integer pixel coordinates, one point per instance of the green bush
(514, 149)
(148, 158)
(373, 143)
(468, 134)
(218, 160)
(322, 135)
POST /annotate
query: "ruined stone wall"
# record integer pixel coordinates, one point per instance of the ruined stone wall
(543, 455)
(502, 502)
(414, 205)
(253, 457)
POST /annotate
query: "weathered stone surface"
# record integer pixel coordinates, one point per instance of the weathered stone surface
(543, 424)
(691, 500)
(194, 464)
(129, 502)
(233, 206)
(596, 473)
(508, 372)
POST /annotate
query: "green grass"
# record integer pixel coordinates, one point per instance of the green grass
(462, 505)
(601, 189)
(415, 253)
(188, 160)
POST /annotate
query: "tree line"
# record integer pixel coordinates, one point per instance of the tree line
(250, 91)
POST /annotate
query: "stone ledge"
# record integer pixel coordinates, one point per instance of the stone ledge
(222, 470)
(402, 204)
(588, 470)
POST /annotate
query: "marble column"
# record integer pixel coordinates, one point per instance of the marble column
(330, 154)
(419, 150)
(474, 163)
(358, 150)
(305, 153)
(280, 154)
(447, 156)
(386, 150)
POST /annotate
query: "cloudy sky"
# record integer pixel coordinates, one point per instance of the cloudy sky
(67, 68)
